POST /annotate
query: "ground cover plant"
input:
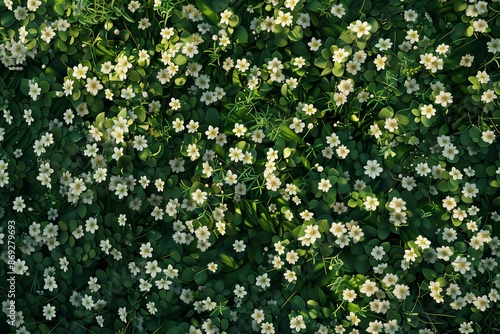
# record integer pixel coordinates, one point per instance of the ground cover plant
(240, 166)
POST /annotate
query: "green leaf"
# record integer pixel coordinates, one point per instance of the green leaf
(212, 117)
(208, 12)
(241, 35)
(476, 317)
(322, 62)
(101, 276)
(175, 330)
(295, 34)
(234, 20)
(427, 122)
(59, 9)
(386, 112)
(200, 277)
(280, 42)
(383, 233)
(297, 303)
(219, 286)
(338, 69)
(43, 328)
(314, 6)
(229, 262)
(75, 136)
(7, 19)
(429, 273)
(220, 5)
(460, 246)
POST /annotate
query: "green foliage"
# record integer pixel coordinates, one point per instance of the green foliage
(203, 166)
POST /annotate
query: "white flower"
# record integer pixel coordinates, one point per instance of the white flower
(310, 236)
(422, 169)
(239, 246)
(314, 44)
(378, 253)
(47, 34)
(410, 15)
(144, 285)
(349, 295)
(371, 203)
(258, 315)
(285, 19)
(297, 323)
(297, 125)
(242, 65)
(408, 182)
(442, 49)
(151, 308)
(482, 77)
(140, 143)
(412, 36)
(273, 182)
(391, 124)
(239, 291)
(33, 5)
(384, 44)
(427, 110)
(391, 327)
(127, 93)
(199, 196)
(467, 60)
(369, 288)
(338, 10)
(225, 16)
(18, 204)
(422, 242)
(390, 279)
(267, 328)
(49, 312)
(50, 283)
(401, 291)
(380, 62)
(342, 151)
(306, 215)
(444, 98)
(494, 45)
(122, 313)
(470, 190)
(360, 28)
(190, 49)
(410, 255)
(290, 276)
(144, 23)
(488, 136)
(488, 96)
(411, 86)
(340, 55)
(449, 151)
(93, 86)
(466, 327)
(324, 185)
(212, 266)
(373, 169)
(64, 263)
(461, 265)
(152, 268)
(34, 90)
(146, 250)
(80, 71)
(263, 281)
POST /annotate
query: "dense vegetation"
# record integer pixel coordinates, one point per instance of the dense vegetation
(238, 166)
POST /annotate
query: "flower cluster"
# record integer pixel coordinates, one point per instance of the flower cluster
(278, 166)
